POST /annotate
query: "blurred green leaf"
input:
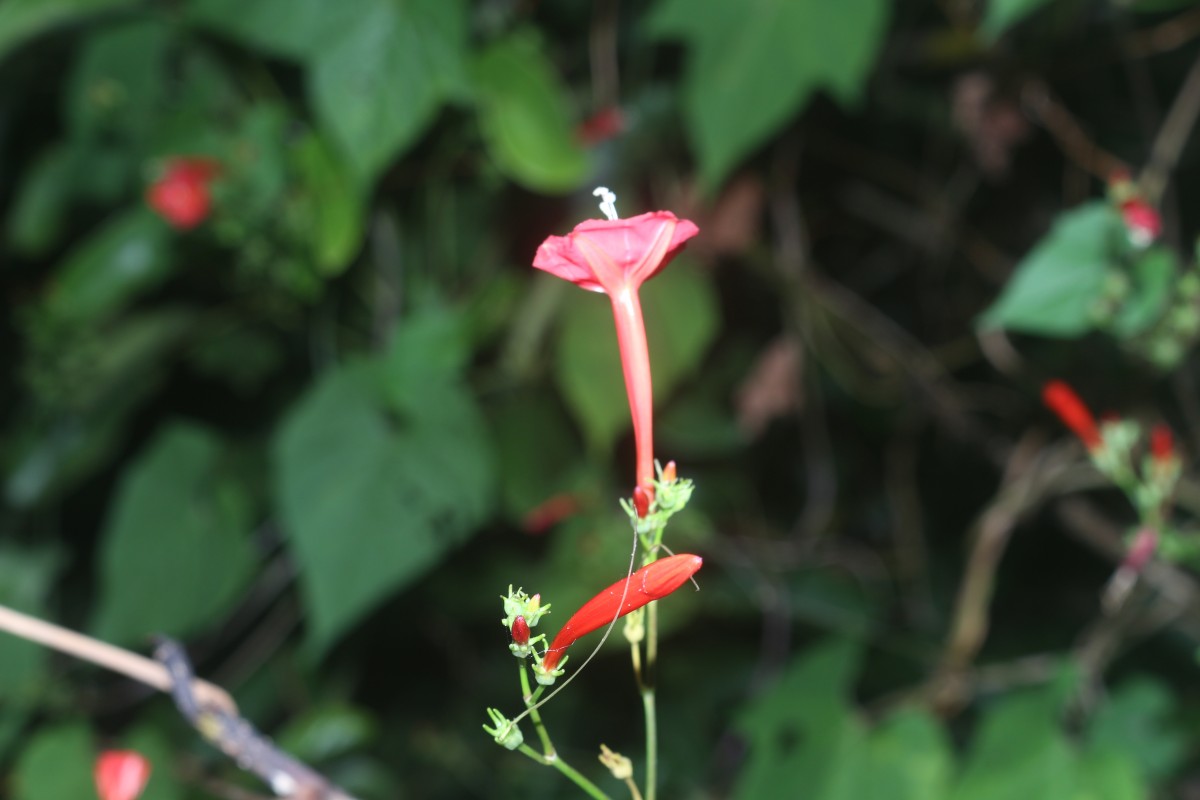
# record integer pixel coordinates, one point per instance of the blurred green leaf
(380, 470)
(119, 83)
(754, 66)
(1109, 775)
(57, 763)
(1153, 279)
(1136, 721)
(536, 445)
(128, 255)
(22, 20)
(298, 29)
(175, 551)
(680, 309)
(333, 204)
(26, 580)
(909, 758)
(804, 738)
(1055, 288)
(377, 87)
(1020, 751)
(37, 215)
(164, 784)
(327, 732)
(1003, 14)
(524, 116)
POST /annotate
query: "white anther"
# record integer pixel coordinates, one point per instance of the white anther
(608, 202)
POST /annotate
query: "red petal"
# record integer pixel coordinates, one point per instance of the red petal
(121, 774)
(605, 255)
(651, 582)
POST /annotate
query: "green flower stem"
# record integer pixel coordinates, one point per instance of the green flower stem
(589, 788)
(530, 699)
(549, 757)
(648, 702)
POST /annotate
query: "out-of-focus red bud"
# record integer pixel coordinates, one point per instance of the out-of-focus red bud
(1062, 400)
(605, 124)
(1162, 443)
(550, 512)
(181, 194)
(121, 774)
(1142, 220)
(520, 631)
(641, 501)
(668, 473)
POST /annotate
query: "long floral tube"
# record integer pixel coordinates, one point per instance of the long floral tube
(651, 582)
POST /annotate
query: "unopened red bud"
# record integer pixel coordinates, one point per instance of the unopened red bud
(520, 631)
(668, 473)
(1162, 444)
(1062, 400)
(641, 501)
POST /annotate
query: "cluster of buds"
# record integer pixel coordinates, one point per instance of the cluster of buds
(1113, 445)
(522, 612)
(650, 510)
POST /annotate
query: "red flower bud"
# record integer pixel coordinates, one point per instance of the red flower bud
(668, 473)
(605, 124)
(1142, 221)
(651, 582)
(641, 501)
(181, 195)
(121, 774)
(550, 512)
(1062, 400)
(1162, 444)
(520, 631)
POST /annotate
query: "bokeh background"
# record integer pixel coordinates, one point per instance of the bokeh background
(279, 381)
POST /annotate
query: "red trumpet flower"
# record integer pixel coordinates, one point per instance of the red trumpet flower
(616, 256)
(651, 582)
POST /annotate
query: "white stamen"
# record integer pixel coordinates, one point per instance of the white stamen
(608, 202)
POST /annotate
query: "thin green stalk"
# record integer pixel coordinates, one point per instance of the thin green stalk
(648, 702)
(589, 788)
(530, 699)
(549, 757)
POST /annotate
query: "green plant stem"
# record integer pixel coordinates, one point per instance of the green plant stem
(549, 756)
(591, 789)
(530, 699)
(648, 701)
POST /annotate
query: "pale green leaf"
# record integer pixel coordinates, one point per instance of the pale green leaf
(752, 66)
(1055, 288)
(381, 469)
(333, 204)
(377, 86)
(1152, 279)
(524, 116)
(115, 264)
(175, 551)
